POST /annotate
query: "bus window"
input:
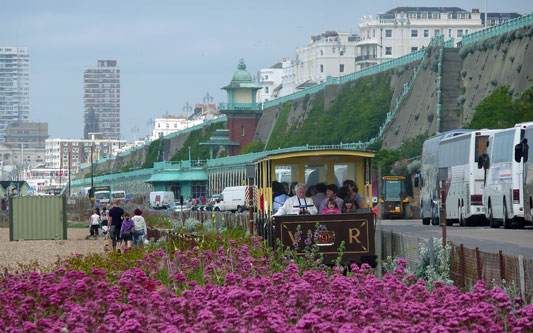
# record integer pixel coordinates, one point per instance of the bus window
(316, 173)
(481, 146)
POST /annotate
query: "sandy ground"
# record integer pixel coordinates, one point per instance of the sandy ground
(46, 252)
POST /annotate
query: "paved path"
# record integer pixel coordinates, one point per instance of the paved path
(512, 242)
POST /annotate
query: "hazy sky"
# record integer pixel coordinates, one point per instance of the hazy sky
(170, 52)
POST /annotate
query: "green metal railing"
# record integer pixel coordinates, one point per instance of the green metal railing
(499, 29)
(239, 106)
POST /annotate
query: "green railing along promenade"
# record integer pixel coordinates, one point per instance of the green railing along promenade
(499, 29)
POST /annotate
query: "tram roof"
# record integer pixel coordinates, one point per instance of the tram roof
(316, 152)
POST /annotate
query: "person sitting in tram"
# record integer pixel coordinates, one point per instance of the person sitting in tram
(331, 193)
(354, 193)
(298, 204)
(331, 208)
(348, 206)
(320, 195)
(278, 195)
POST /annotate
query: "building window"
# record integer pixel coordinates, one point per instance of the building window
(266, 90)
(341, 68)
(414, 33)
(466, 31)
(321, 68)
(414, 49)
(158, 125)
(449, 33)
(65, 150)
(437, 32)
(266, 77)
(242, 130)
(175, 125)
(388, 33)
(373, 33)
(168, 125)
(426, 33)
(321, 52)
(388, 50)
(333, 49)
(459, 33)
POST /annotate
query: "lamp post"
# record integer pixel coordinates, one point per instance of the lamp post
(189, 153)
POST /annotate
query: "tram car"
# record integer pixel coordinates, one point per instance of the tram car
(310, 167)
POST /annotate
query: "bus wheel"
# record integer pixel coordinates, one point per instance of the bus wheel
(461, 218)
(506, 221)
(492, 221)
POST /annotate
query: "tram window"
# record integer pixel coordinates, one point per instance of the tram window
(284, 173)
(316, 173)
(344, 172)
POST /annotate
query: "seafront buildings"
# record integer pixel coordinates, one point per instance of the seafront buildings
(403, 30)
(14, 86)
(101, 99)
(331, 53)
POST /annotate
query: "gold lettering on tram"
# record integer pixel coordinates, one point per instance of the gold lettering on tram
(290, 234)
(354, 237)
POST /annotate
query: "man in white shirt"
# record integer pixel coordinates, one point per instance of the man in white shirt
(298, 204)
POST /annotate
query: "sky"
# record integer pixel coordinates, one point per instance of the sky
(170, 52)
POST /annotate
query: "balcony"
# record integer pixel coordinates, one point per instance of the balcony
(239, 106)
(365, 58)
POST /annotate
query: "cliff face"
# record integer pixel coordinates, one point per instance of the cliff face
(469, 75)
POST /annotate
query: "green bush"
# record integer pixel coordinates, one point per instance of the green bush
(153, 153)
(198, 152)
(253, 147)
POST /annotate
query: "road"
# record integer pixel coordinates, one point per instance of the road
(512, 241)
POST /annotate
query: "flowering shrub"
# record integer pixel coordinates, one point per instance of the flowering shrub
(283, 301)
(222, 283)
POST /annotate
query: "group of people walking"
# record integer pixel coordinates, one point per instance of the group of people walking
(123, 229)
(320, 198)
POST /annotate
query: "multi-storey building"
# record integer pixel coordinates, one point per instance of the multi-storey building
(498, 18)
(403, 30)
(101, 99)
(330, 53)
(32, 135)
(58, 150)
(14, 86)
(170, 124)
(270, 80)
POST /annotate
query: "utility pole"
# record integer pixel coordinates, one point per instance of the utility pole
(486, 14)
(69, 163)
(92, 175)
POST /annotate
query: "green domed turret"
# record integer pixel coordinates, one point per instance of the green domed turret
(242, 90)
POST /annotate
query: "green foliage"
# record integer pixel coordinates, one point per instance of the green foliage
(500, 111)
(127, 167)
(253, 147)
(152, 154)
(356, 115)
(280, 127)
(198, 152)
(385, 158)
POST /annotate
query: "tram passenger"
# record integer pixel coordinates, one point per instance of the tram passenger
(298, 204)
(348, 206)
(293, 189)
(278, 195)
(321, 194)
(331, 193)
(331, 208)
(354, 193)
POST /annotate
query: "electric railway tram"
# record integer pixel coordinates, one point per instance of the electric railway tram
(310, 167)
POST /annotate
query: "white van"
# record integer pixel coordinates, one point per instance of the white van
(118, 195)
(232, 198)
(161, 199)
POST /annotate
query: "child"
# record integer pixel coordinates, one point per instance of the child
(331, 207)
(348, 206)
(95, 222)
(126, 231)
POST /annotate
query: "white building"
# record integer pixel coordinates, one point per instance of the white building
(170, 124)
(58, 150)
(270, 79)
(14, 86)
(330, 53)
(14, 162)
(403, 30)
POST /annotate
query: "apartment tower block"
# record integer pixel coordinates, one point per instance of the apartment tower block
(101, 100)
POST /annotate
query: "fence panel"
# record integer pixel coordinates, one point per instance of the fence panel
(37, 217)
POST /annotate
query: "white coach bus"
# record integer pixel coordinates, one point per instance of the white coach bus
(460, 155)
(504, 194)
(427, 181)
(522, 155)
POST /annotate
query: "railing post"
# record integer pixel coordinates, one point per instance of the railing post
(502, 266)
(522, 276)
(462, 264)
(478, 264)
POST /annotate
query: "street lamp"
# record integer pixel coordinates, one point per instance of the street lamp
(189, 153)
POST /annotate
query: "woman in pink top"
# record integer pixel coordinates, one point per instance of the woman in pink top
(331, 207)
